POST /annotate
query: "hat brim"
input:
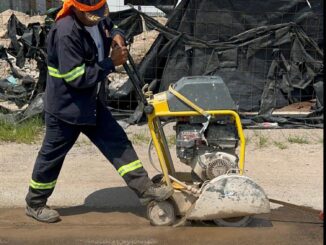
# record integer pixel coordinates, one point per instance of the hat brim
(101, 13)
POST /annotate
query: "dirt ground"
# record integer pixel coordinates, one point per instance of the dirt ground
(97, 208)
(82, 225)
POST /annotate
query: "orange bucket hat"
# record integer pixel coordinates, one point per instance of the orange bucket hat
(94, 7)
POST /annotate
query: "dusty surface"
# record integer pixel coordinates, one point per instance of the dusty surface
(97, 207)
(293, 174)
(82, 225)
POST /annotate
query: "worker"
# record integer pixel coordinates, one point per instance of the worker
(78, 48)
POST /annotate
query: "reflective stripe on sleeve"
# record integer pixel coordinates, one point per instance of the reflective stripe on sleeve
(69, 76)
(129, 167)
(42, 186)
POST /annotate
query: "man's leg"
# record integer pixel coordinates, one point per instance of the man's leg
(113, 142)
(58, 140)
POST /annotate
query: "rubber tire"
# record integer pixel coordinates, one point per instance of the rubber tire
(240, 223)
(167, 204)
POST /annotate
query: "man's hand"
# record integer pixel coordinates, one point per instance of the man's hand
(119, 55)
(118, 41)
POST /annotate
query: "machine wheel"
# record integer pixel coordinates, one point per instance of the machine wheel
(234, 222)
(161, 213)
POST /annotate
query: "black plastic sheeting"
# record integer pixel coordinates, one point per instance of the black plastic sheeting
(151, 2)
(130, 21)
(165, 6)
(27, 42)
(267, 60)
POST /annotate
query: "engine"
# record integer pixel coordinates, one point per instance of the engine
(211, 153)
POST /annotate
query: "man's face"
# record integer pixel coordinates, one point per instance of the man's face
(86, 18)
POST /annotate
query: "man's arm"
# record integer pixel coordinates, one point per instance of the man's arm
(74, 69)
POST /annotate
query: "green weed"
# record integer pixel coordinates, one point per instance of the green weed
(140, 138)
(261, 140)
(171, 140)
(249, 140)
(321, 141)
(295, 139)
(280, 145)
(27, 132)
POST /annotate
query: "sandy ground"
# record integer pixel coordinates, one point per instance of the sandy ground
(97, 207)
(294, 174)
(82, 225)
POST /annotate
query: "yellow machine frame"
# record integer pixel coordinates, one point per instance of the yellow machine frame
(201, 204)
(161, 110)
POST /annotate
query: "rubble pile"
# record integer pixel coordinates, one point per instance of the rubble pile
(23, 18)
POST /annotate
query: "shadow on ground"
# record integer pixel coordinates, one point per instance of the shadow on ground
(118, 199)
(123, 200)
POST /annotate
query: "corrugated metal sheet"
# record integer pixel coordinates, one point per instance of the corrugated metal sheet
(18, 5)
(30, 6)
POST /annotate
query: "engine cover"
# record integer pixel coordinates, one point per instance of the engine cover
(207, 92)
(208, 166)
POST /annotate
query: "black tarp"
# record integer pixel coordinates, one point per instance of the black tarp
(166, 6)
(269, 53)
(151, 2)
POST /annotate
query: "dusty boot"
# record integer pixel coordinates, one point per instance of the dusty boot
(157, 193)
(43, 214)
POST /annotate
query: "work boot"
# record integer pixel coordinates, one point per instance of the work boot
(156, 192)
(43, 214)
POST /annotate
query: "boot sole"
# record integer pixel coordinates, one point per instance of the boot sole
(51, 220)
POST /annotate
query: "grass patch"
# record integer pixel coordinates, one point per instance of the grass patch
(261, 141)
(248, 140)
(27, 132)
(280, 145)
(144, 138)
(171, 140)
(140, 138)
(294, 139)
(256, 133)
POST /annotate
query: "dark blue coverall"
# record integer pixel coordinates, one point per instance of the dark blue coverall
(73, 105)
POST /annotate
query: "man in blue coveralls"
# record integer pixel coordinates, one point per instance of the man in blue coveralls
(78, 51)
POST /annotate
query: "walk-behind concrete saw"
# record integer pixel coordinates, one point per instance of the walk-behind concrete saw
(210, 140)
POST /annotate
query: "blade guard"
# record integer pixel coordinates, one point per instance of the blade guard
(228, 196)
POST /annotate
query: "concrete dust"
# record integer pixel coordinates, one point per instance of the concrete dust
(81, 225)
